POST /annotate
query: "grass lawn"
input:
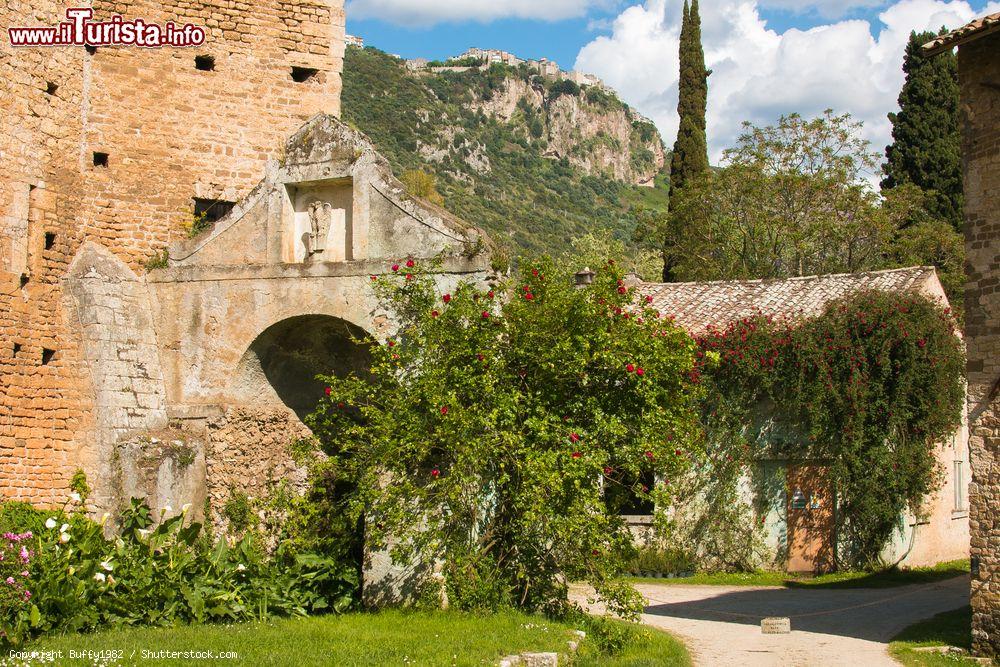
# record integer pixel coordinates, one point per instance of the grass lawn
(953, 628)
(387, 638)
(884, 579)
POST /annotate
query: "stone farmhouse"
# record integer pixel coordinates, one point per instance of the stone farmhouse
(799, 503)
(164, 366)
(979, 77)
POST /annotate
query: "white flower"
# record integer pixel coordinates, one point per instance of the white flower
(50, 523)
(143, 533)
(64, 537)
(75, 497)
(107, 566)
(185, 508)
(241, 567)
(100, 577)
(63, 528)
(167, 509)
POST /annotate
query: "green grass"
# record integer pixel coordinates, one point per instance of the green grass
(953, 628)
(883, 579)
(392, 637)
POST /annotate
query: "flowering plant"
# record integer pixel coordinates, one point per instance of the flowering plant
(495, 418)
(873, 385)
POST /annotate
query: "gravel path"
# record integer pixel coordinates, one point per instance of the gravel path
(721, 624)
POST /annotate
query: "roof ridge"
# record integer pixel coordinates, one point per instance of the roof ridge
(820, 276)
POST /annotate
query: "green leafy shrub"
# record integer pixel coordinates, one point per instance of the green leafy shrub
(480, 438)
(872, 385)
(663, 561)
(163, 574)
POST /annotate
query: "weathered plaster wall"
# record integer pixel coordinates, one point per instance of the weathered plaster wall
(979, 72)
(171, 133)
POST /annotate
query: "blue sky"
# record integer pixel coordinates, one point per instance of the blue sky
(559, 40)
(769, 57)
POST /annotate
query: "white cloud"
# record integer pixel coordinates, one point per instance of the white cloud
(429, 12)
(760, 74)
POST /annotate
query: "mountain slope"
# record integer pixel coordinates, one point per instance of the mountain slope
(535, 163)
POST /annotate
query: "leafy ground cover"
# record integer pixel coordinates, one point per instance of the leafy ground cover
(850, 579)
(393, 637)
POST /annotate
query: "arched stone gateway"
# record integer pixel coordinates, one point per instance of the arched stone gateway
(245, 316)
(281, 365)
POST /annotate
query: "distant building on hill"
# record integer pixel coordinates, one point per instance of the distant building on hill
(354, 40)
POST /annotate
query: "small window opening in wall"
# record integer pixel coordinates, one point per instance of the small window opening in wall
(50, 240)
(204, 63)
(91, 49)
(24, 279)
(17, 348)
(47, 356)
(303, 74)
(100, 159)
(51, 88)
(211, 210)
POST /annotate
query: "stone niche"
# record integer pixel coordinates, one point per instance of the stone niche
(321, 221)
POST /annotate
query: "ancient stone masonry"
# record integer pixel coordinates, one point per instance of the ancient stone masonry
(979, 65)
(979, 74)
(111, 147)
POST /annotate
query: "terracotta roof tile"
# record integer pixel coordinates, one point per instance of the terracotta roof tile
(978, 28)
(697, 306)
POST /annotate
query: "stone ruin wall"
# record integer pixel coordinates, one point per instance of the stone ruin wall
(171, 133)
(979, 67)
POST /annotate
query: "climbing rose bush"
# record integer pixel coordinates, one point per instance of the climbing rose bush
(493, 420)
(15, 571)
(873, 386)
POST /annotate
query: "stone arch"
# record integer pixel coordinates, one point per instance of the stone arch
(281, 364)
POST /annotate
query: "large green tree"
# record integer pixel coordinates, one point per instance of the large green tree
(690, 156)
(926, 148)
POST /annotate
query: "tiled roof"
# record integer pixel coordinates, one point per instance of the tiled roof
(978, 28)
(698, 306)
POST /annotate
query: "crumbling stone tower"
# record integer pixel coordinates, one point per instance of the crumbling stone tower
(124, 147)
(979, 74)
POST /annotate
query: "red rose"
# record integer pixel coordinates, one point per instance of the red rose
(340, 405)
(374, 278)
(622, 290)
(629, 368)
(447, 298)
(392, 343)
(480, 357)
(649, 299)
(329, 391)
(649, 455)
(595, 552)
(444, 409)
(529, 296)
(434, 313)
(577, 455)
(486, 314)
(435, 473)
(409, 276)
(608, 470)
(409, 264)
(395, 267)
(640, 372)
(573, 437)
(534, 272)
(490, 294)
(678, 452)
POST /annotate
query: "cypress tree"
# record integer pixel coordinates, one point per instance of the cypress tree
(926, 148)
(690, 156)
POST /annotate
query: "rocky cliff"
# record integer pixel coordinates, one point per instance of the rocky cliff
(535, 161)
